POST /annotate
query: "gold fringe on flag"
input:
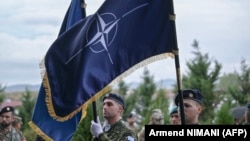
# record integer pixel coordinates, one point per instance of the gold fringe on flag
(106, 89)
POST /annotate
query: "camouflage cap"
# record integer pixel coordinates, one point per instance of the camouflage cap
(18, 119)
(157, 117)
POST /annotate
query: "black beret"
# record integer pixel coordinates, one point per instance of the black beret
(7, 109)
(173, 110)
(195, 95)
(116, 98)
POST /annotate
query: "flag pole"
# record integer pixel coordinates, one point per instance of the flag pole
(94, 111)
(83, 6)
(95, 116)
(177, 64)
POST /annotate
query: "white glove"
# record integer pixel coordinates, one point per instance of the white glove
(96, 128)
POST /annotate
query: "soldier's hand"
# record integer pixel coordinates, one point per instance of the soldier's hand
(96, 128)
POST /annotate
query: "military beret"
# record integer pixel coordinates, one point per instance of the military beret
(7, 109)
(248, 107)
(195, 95)
(116, 98)
(173, 110)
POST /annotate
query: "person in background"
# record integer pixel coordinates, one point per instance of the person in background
(17, 123)
(192, 101)
(239, 121)
(115, 128)
(174, 116)
(131, 122)
(247, 115)
(156, 118)
(7, 132)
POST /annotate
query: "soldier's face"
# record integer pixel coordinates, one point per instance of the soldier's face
(111, 108)
(191, 109)
(158, 119)
(175, 119)
(6, 119)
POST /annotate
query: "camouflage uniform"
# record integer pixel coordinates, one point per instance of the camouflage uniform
(118, 132)
(12, 135)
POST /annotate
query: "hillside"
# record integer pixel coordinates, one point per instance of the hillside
(167, 83)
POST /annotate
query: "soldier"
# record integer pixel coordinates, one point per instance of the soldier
(192, 101)
(131, 122)
(174, 116)
(17, 123)
(7, 132)
(115, 128)
(156, 118)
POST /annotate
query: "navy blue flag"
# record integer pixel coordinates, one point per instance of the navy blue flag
(103, 48)
(42, 123)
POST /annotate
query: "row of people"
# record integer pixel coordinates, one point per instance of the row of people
(116, 129)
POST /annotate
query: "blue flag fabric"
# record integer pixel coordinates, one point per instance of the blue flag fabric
(74, 14)
(42, 123)
(104, 47)
(48, 128)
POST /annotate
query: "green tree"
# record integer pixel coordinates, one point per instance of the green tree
(203, 76)
(25, 111)
(160, 102)
(122, 88)
(145, 92)
(131, 104)
(223, 117)
(2, 89)
(241, 93)
(226, 82)
(83, 131)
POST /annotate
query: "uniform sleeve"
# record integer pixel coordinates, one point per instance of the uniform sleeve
(124, 137)
(129, 136)
(141, 135)
(103, 137)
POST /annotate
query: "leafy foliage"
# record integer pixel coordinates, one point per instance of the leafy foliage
(2, 89)
(241, 93)
(203, 76)
(25, 111)
(83, 131)
(223, 117)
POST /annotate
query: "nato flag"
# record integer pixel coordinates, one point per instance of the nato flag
(103, 47)
(42, 123)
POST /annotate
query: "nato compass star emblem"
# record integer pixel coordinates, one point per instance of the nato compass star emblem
(105, 34)
(106, 27)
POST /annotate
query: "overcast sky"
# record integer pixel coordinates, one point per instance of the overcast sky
(28, 28)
